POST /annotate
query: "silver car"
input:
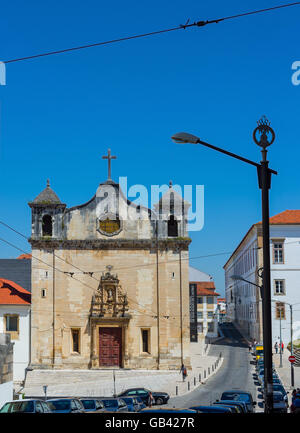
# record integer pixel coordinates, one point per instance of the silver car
(279, 404)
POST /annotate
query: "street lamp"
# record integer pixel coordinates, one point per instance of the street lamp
(263, 136)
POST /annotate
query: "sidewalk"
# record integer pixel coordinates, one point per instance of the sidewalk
(84, 383)
(284, 372)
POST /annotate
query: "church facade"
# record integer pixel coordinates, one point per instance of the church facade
(110, 282)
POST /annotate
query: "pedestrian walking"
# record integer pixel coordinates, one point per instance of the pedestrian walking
(150, 399)
(276, 347)
(282, 347)
(183, 371)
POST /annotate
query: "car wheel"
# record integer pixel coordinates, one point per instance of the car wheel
(159, 401)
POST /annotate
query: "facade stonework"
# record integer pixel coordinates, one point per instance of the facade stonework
(110, 283)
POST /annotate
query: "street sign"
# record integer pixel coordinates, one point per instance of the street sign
(292, 359)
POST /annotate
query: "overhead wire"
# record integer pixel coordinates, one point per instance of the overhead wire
(148, 34)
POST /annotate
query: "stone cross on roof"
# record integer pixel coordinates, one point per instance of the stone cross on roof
(109, 158)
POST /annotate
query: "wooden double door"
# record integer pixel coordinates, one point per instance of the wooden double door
(110, 347)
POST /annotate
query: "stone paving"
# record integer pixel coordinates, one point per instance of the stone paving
(85, 383)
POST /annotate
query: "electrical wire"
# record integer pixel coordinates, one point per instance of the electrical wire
(153, 33)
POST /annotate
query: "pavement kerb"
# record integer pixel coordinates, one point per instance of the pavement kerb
(192, 382)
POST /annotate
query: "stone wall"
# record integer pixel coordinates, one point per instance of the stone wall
(6, 359)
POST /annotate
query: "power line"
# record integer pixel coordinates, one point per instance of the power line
(153, 33)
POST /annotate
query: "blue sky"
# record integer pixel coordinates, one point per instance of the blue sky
(59, 114)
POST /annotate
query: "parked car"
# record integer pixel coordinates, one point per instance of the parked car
(92, 404)
(159, 397)
(26, 406)
(242, 406)
(279, 404)
(212, 409)
(66, 405)
(239, 395)
(114, 404)
(167, 410)
(234, 409)
(279, 387)
(141, 403)
(262, 375)
(132, 404)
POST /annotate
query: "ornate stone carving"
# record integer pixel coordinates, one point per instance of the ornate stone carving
(109, 299)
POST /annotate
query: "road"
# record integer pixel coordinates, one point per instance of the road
(235, 372)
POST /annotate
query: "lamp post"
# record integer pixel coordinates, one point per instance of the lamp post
(263, 136)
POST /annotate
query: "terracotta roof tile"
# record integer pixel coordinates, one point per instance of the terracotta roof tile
(13, 294)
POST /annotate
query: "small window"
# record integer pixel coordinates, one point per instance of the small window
(172, 227)
(200, 300)
(75, 341)
(12, 323)
(210, 314)
(145, 340)
(47, 225)
(280, 310)
(12, 326)
(278, 252)
(43, 293)
(200, 328)
(279, 287)
(200, 314)
(211, 327)
(173, 275)
(210, 300)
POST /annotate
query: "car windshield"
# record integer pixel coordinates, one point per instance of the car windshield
(61, 404)
(20, 406)
(88, 404)
(236, 396)
(110, 403)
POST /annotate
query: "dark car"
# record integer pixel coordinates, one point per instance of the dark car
(132, 404)
(92, 404)
(279, 388)
(239, 395)
(140, 402)
(26, 406)
(159, 397)
(114, 405)
(279, 405)
(238, 405)
(66, 405)
(212, 409)
(168, 410)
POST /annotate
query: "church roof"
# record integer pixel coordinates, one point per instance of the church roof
(47, 196)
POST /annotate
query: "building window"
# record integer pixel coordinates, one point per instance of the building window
(210, 314)
(278, 252)
(280, 310)
(172, 227)
(75, 340)
(200, 314)
(210, 327)
(146, 340)
(210, 300)
(12, 325)
(279, 287)
(200, 300)
(43, 293)
(200, 328)
(47, 225)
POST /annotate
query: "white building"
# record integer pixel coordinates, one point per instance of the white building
(244, 305)
(207, 317)
(15, 321)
